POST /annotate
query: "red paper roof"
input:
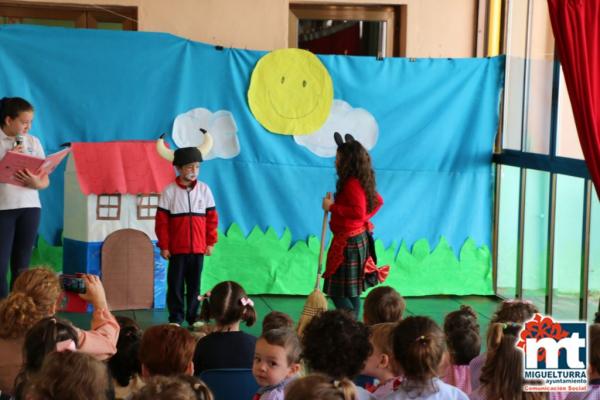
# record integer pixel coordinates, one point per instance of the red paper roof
(132, 167)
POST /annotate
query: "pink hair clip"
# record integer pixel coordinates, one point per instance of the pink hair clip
(66, 345)
(246, 301)
(206, 296)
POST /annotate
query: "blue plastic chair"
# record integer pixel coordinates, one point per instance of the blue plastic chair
(231, 383)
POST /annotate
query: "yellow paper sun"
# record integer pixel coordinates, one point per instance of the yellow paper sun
(290, 92)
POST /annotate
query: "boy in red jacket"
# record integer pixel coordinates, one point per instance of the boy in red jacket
(186, 227)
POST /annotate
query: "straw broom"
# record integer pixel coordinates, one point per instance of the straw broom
(316, 302)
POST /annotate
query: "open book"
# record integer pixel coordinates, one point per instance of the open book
(13, 162)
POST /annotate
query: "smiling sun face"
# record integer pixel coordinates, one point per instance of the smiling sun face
(290, 92)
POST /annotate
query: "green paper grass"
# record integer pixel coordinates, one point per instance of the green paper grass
(264, 263)
(47, 255)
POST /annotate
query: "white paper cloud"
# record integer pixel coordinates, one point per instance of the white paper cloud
(343, 119)
(220, 125)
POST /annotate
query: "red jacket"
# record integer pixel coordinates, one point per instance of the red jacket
(349, 210)
(186, 219)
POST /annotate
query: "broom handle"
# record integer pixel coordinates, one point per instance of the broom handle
(322, 249)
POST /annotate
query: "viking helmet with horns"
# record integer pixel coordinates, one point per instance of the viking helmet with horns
(185, 155)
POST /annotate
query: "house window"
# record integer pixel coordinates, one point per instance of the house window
(146, 205)
(108, 207)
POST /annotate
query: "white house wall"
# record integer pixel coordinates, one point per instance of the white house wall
(98, 230)
(75, 213)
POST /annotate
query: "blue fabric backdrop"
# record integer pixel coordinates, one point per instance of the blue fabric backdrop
(437, 120)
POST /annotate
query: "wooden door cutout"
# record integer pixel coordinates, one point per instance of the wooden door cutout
(128, 270)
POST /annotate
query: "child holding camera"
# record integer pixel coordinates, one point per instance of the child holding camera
(186, 227)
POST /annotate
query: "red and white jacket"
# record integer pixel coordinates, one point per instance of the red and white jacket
(186, 219)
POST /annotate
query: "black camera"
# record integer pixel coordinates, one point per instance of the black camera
(73, 283)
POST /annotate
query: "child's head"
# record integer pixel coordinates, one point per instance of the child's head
(336, 344)
(380, 363)
(179, 387)
(462, 335)
(321, 387)
(383, 304)
(16, 115)
(418, 348)
(228, 303)
(167, 350)
(189, 172)
(353, 161)
(47, 335)
(276, 320)
(74, 376)
(502, 373)
(277, 356)
(34, 296)
(125, 363)
(517, 311)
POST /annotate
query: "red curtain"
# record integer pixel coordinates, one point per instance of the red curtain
(576, 26)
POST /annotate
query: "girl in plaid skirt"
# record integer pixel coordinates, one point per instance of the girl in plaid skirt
(351, 258)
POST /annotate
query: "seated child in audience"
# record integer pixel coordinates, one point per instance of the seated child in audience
(464, 343)
(277, 319)
(335, 344)
(178, 387)
(72, 375)
(226, 347)
(125, 365)
(380, 364)
(502, 373)
(167, 350)
(418, 348)
(383, 304)
(276, 362)
(320, 387)
(593, 392)
(46, 336)
(515, 311)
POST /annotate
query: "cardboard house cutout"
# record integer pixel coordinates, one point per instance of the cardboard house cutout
(111, 194)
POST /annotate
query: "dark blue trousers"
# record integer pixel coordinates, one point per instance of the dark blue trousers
(183, 279)
(18, 230)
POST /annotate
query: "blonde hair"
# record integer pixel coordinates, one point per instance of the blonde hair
(180, 387)
(321, 387)
(33, 297)
(381, 337)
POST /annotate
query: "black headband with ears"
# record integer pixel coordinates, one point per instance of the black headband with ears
(338, 138)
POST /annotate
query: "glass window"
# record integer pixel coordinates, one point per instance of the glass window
(507, 231)
(567, 144)
(539, 75)
(147, 205)
(535, 249)
(567, 249)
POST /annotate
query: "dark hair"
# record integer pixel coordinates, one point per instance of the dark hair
(286, 338)
(224, 304)
(321, 387)
(336, 344)
(126, 363)
(277, 319)
(418, 348)
(516, 311)
(353, 161)
(179, 387)
(166, 349)
(41, 340)
(462, 335)
(383, 304)
(71, 375)
(595, 346)
(12, 107)
(502, 373)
